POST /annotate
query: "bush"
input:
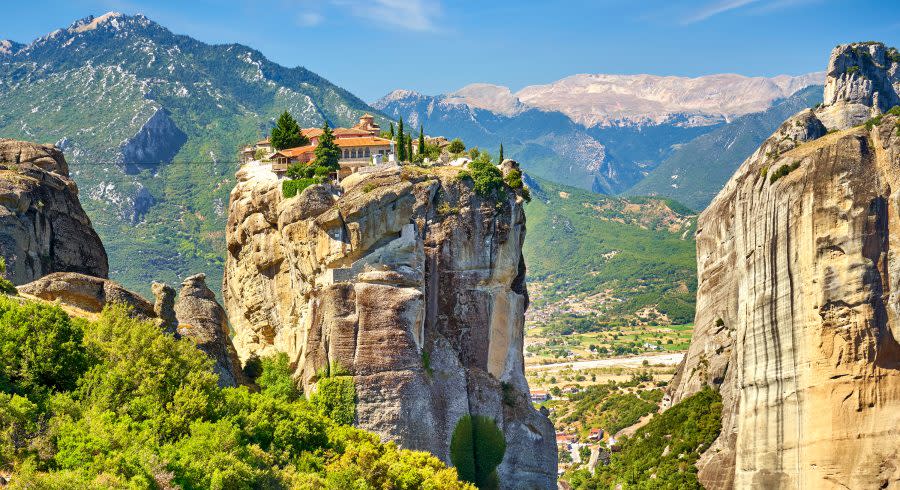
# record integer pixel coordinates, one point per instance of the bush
(275, 379)
(782, 171)
(487, 177)
(290, 188)
(456, 147)
(41, 348)
(476, 449)
(335, 395)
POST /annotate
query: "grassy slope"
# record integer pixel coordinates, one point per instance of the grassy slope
(642, 249)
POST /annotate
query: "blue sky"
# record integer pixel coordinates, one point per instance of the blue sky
(373, 46)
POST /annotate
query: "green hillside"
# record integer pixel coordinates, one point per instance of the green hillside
(696, 171)
(582, 244)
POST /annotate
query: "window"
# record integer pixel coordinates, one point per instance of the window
(367, 152)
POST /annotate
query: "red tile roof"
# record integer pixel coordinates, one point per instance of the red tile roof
(362, 141)
(295, 152)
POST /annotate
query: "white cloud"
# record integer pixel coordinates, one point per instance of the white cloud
(757, 7)
(309, 19)
(414, 15)
(716, 8)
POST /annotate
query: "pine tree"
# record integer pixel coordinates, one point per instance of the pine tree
(401, 142)
(327, 152)
(421, 142)
(501, 152)
(286, 133)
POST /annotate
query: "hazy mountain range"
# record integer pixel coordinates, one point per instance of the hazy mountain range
(604, 133)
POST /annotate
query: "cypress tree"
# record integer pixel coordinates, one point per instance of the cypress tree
(501, 152)
(409, 152)
(421, 142)
(401, 142)
(327, 152)
(392, 130)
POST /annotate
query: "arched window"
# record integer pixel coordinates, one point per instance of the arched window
(367, 152)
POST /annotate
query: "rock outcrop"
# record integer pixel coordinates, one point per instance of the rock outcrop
(164, 305)
(43, 228)
(408, 281)
(799, 295)
(86, 293)
(203, 319)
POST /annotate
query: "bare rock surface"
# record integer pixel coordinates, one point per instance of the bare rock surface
(203, 319)
(43, 228)
(407, 280)
(798, 298)
(86, 293)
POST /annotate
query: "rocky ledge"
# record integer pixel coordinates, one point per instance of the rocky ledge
(409, 282)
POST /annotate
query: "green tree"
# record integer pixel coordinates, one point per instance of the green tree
(487, 177)
(501, 153)
(392, 131)
(41, 348)
(327, 152)
(476, 449)
(409, 149)
(6, 286)
(401, 142)
(421, 148)
(286, 133)
(456, 146)
(275, 379)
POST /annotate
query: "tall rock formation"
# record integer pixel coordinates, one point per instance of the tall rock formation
(43, 228)
(203, 319)
(408, 281)
(799, 295)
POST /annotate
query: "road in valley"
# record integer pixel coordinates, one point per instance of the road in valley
(668, 359)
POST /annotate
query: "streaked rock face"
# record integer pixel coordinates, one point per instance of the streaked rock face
(409, 282)
(43, 228)
(798, 301)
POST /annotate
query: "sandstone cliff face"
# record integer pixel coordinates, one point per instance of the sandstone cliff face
(409, 282)
(799, 295)
(43, 228)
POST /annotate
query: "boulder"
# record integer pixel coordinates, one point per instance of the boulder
(43, 228)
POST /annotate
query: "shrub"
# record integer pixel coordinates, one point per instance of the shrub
(456, 146)
(782, 171)
(476, 449)
(487, 177)
(6, 286)
(335, 395)
(259, 154)
(41, 348)
(853, 69)
(290, 188)
(275, 379)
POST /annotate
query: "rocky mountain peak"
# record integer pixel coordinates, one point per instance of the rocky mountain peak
(9, 48)
(90, 22)
(494, 98)
(862, 81)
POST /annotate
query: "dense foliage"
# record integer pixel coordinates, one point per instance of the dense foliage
(476, 449)
(662, 454)
(116, 403)
(286, 133)
(292, 187)
(487, 177)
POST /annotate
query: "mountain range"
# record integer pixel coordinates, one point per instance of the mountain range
(604, 133)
